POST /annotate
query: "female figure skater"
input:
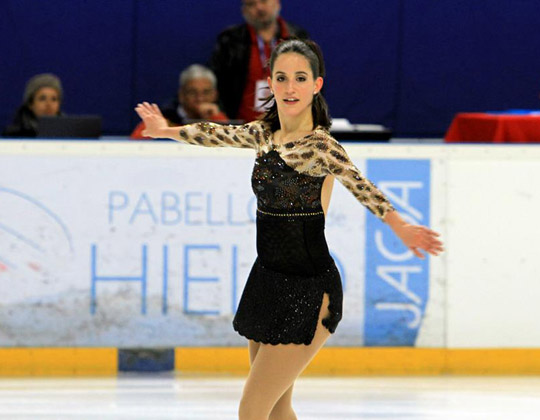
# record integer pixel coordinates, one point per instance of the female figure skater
(292, 300)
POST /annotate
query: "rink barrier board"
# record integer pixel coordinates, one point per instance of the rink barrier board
(331, 361)
(475, 331)
(58, 361)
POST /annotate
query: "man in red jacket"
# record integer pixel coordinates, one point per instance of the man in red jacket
(241, 53)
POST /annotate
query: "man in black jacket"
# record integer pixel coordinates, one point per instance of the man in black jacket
(241, 53)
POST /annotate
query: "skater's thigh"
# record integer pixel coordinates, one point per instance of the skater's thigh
(276, 367)
(253, 347)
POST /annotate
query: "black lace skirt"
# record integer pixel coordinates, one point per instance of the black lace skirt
(282, 298)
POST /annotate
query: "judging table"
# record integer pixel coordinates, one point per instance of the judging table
(513, 126)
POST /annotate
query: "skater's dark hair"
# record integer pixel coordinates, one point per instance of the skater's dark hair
(312, 52)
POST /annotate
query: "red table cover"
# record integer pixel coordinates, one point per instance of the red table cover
(479, 127)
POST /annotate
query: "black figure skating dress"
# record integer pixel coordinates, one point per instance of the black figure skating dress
(282, 298)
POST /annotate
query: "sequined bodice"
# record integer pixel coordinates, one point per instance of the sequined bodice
(290, 175)
(278, 186)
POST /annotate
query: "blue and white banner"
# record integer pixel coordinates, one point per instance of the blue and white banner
(397, 282)
(153, 251)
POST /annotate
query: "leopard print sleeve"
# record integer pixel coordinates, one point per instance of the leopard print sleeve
(337, 163)
(207, 134)
(321, 155)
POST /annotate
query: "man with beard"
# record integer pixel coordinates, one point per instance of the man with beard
(241, 53)
(196, 99)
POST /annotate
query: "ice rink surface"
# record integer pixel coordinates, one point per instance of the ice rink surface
(183, 397)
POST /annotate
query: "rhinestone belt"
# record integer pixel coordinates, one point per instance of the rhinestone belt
(291, 214)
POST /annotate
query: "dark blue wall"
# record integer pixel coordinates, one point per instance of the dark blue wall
(408, 64)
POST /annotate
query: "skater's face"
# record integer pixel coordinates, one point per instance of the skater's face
(46, 102)
(293, 84)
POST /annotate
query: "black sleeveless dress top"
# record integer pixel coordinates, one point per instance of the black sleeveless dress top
(282, 298)
(283, 295)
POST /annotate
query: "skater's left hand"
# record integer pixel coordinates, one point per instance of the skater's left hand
(417, 237)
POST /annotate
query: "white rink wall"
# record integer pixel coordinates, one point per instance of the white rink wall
(56, 206)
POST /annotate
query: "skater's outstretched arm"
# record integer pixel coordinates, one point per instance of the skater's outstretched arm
(206, 134)
(414, 237)
(325, 156)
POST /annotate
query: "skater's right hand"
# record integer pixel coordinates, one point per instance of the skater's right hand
(153, 119)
